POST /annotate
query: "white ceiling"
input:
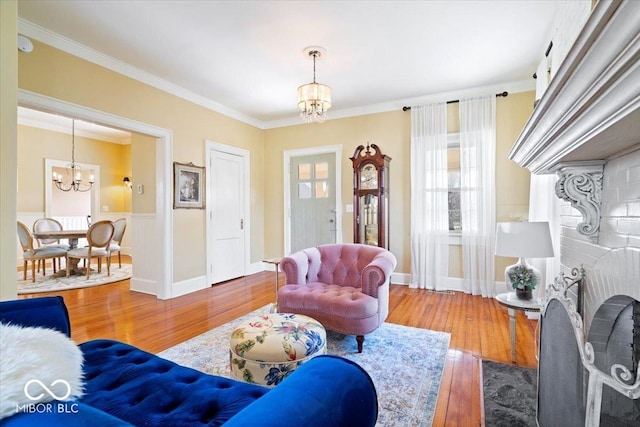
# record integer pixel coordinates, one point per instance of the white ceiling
(244, 58)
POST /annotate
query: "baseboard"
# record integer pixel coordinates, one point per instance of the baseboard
(187, 286)
(143, 286)
(256, 267)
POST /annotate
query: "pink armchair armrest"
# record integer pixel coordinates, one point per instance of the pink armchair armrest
(343, 286)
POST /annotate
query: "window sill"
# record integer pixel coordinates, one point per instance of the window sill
(455, 238)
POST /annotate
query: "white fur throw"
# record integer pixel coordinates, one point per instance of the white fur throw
(37, 365)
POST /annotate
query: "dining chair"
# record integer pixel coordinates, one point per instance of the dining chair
(29, 253)
(99, 238)
(49, 224)
(119, 226)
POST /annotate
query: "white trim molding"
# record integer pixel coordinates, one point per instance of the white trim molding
(156, 255)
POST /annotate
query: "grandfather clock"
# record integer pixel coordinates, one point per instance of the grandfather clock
(371, 196)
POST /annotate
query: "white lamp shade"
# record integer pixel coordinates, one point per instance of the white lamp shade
(314, 94)
(524, 239)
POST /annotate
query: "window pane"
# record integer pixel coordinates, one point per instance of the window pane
(453, 176)
(304, 171)
(322, 170)
(455, 220)
(304, 190)
(454, 179)
(322, 190)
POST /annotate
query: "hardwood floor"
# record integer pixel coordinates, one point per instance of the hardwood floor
(479, 327)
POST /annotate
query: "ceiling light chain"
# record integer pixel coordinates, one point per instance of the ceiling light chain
(73, 177)
(314, 99)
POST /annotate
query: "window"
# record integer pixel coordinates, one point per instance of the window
(313, 180)
(453, 172)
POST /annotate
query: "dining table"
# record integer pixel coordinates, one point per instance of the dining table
(72, 236)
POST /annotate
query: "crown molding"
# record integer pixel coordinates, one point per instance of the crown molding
(57, 41)
(67, 45)
(511, 87)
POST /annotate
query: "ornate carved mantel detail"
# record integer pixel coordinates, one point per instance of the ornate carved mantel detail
(580, 183)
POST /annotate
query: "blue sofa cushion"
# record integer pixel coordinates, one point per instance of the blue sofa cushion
(143, 389)
(45, 312)
(351, 403)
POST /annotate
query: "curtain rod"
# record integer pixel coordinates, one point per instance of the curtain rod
(505, 93)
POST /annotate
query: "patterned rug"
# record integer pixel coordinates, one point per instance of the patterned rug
(509, 395)
(49, 283)
(405, 364)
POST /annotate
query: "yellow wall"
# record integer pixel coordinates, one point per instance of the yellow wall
(142, 172)
(8, 150)
(36, 145)
(391, 131)
(54, 73)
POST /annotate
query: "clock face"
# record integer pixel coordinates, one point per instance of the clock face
(368, 177)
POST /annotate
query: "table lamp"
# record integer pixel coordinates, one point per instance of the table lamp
(523, 240)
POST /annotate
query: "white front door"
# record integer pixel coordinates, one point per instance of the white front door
(313, 198)
(227, 221)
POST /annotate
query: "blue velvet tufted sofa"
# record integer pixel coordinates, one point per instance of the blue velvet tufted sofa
(127, 386)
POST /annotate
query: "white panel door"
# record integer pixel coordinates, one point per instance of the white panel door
(313, 202)
(228, 221)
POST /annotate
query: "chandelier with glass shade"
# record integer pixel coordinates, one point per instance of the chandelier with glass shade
(314, 99)
(72, 178)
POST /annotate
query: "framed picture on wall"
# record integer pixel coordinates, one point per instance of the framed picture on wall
(188, 186)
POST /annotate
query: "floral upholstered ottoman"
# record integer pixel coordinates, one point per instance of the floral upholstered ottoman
(265, 349)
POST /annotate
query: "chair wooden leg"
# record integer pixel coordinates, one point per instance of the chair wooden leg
(108, 266)
(88, 267)
(360, 341)
(68, 266)
(119, 260)
(33, 271)
(53, 260)
(24, 270)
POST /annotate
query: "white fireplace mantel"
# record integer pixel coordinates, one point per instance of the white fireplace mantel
(590, 112)
(591, 109)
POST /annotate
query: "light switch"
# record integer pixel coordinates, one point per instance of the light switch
(140, 188)
(349, 208)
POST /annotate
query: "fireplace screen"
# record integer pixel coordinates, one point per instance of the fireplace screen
(594, 382)
(615, 344)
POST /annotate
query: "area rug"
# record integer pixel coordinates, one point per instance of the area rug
(509, 394)
(405, 364)
(49, 283)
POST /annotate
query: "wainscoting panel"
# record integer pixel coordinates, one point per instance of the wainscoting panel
(145, 254)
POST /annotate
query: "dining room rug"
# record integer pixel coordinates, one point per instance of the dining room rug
(405, 363)
(49, 283)
(509, 394)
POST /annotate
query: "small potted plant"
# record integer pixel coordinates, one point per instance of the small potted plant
(524, 280)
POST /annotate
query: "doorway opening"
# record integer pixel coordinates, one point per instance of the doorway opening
(151, 245)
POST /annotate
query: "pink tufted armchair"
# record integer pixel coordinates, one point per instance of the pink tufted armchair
(343, 286)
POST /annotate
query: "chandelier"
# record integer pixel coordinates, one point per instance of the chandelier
(73, 178)
(314, 99)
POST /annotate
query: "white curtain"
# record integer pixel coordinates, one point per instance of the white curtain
(429, 197)
(477, 193)
(545, 206)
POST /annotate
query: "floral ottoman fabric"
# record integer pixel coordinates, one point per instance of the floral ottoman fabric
(267, 348)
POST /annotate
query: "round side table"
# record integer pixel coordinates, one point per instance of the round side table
(276, 263)
(513, 303)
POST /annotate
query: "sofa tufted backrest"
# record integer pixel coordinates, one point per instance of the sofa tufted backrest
(340, 264)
